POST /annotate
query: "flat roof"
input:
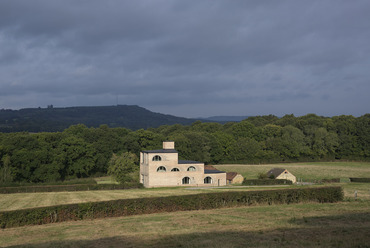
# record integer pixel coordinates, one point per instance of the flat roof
(213, 171)
(189, 162)
(161, 151)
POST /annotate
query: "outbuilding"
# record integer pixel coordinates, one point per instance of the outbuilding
(280, 173)
(234, 178)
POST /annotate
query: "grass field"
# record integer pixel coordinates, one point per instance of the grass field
(31, 200)
(306, 171)
(344, 224)
(314, 171)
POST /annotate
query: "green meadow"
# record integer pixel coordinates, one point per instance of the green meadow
(306, 171)
(343, 224)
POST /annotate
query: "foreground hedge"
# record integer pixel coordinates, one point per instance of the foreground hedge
(359, 180)
(125, 207)
(59, 188)
(266, 181)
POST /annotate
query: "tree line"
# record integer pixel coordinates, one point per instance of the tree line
(79, 151)
(57, 119)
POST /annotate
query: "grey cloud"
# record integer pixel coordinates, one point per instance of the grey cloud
(286, 56)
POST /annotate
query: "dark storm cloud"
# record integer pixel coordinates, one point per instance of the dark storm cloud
(189, 58)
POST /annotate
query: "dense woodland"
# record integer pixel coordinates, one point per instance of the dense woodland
(57, 119)
(80, 151)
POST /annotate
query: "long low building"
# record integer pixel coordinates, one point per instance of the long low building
(162, 168)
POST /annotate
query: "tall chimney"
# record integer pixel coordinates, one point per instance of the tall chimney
(168, 145)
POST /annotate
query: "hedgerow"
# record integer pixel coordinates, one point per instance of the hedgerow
(330, 180)
(265, 181)
(65, 182)
(360, 180)
(59, 188)
(126, 207)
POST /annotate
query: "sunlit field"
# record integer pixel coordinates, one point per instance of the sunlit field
(31, 200)
(305, 171)
(344, 224)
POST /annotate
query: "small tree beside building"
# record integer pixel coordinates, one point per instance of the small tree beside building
(124, 167)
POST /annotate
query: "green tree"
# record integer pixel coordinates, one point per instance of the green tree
(221, 147)
(5, 170)
(291, 144)
(167, 130)
(77, 157)
(262, 175)
(260, 121)
(363, 134)
(244, 129)
(309, 122)
(245, 149)
(323, 142)
(271, 131)
(123, 168)
(345, 127)
(193, 145)
(209, 127)
(287, 120)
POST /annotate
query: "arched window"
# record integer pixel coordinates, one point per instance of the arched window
(185, 180)
(207, 180)
(161, 169)
(192, 168)
(157, 158)
(175, 169)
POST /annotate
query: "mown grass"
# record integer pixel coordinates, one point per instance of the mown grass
(313, 171)
(31, 200)
(306, 171)
(105, 180)
(362, 190)
(344, 224)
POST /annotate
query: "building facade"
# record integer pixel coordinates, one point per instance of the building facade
(162, 168)
(234, 178)
(280, 173)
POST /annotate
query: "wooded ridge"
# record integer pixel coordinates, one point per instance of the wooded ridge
(57, 119)
(80, 152)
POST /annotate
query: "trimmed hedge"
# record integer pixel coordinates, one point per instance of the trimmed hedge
(359, 180)
(76, 187)
(266, 181)
(126, 207)
(330, 180)
(66, 182)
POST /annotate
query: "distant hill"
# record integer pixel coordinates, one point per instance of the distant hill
(226, 118)
(57, 119)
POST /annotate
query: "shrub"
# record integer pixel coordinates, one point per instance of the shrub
(331, 180)
(359, 180)
(266, 181)
(65, 182)
(262, 175)
(125, 207)
(59, 188)
(123, 167)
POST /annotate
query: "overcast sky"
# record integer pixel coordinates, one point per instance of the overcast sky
(188, 58)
